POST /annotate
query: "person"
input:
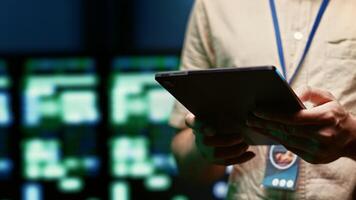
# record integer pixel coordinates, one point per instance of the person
(227, 33)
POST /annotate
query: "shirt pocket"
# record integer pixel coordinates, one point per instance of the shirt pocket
(341, 48)
(339, 67)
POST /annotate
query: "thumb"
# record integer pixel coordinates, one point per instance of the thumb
(315, 96)
(190, 120)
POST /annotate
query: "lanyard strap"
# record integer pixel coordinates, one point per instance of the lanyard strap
(277, 31)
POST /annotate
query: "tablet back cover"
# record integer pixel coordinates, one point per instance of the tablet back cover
(223, 97)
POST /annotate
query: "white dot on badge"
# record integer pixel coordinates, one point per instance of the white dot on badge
(282, 183)
(298, 35)
(275, 182)
(290, 183)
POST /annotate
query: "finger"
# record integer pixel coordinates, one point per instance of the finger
(305, 144)
(190, 120)
(222, 140)
(264, 124)
(316, 96)
(230, 152)
(322, 100)
(237, 160)
(193, 123)
(291, 130)
(318, 115)
(301, 90)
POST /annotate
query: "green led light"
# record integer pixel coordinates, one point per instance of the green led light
(5, 113)
(121, 169)
(53, 171)
(130, 149)
(62, 80)
(130, 97)
(130, 157)
(160, 105)
(40, 89)
(32, 171)
(158, 182)
(42, 159)
(121, 142)
(142, 169)
(77, 106)
(34, 144)
(172, 161)
(41, 151)
(135, 170)
(121, 153)
(71, 163)
(180, 197)
(4, 82)
(49, 107)
(120, 191)
(147, 62)
(70, 63)
(70, 184)
(126, 98)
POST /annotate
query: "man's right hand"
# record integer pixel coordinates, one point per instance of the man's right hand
(219, 149)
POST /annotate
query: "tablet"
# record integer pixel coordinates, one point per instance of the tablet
(224, 97)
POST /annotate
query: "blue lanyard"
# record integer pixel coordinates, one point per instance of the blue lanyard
(277, 31)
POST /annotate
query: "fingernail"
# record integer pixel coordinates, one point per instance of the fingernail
(189, 120)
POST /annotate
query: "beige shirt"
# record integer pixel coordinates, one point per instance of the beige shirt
(226, 33)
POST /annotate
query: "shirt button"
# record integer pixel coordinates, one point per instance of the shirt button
(298, 35)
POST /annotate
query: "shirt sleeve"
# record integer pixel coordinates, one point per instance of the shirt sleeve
(197, 53)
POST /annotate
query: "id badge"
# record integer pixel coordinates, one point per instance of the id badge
(282, 169)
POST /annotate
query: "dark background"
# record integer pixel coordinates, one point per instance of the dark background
(103, 31)
(82, 27)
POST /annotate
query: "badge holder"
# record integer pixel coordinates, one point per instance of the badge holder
(281, 170)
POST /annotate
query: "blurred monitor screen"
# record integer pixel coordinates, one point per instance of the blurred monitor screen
(70, 148)
(140, 109)
(60, 119)
(6, 118)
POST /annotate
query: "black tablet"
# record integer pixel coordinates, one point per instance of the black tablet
(223, 97)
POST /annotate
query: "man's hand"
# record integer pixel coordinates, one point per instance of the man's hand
(219, 149)
(320, 134)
